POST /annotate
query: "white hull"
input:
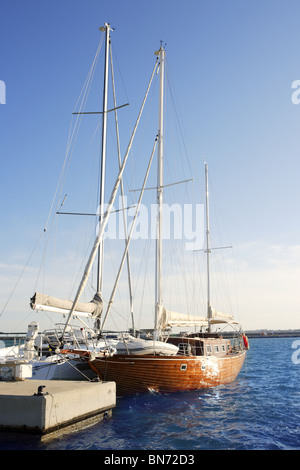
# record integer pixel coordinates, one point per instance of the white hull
(55, 368)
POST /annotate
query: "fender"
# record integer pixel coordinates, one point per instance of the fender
(246, 342)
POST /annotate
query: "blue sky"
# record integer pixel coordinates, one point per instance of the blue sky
(232, 65)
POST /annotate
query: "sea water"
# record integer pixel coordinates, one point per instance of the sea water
(260, 410)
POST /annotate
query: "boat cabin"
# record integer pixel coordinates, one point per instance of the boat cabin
(212, 345)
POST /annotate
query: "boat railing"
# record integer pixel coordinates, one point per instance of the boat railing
(52, 338)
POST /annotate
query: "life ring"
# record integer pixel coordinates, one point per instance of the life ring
(246, 342)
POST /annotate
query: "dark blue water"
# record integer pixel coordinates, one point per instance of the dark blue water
(259, 411)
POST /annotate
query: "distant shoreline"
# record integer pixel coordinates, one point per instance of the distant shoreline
(249, 333)
(273, 333)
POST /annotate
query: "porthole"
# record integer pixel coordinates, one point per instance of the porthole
(183, 367)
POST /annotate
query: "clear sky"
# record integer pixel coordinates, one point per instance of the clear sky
(232, 65)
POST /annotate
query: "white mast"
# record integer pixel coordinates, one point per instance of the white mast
(208, 251)
(107, 30)
(209, 311)
(158, 286)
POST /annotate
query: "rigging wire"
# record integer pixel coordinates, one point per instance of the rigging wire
(184, 292)
(179, 121)
(220, 269)
(73, 133)
(176, 251)
(22, 272)
(84, 91)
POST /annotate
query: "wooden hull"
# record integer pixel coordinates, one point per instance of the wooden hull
(140, 374)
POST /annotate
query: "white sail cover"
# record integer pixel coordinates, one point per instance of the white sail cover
(48, 303)
(168, 318)
(216, 315)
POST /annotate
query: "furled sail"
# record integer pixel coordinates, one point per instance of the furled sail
(48, 303)
(169, 319)
(216, 315)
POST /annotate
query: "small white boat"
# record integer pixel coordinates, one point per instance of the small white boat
(38, 358)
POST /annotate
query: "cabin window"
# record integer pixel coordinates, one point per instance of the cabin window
(228, 347)
(183, 367)
(208, 349)
(216, 349)
(223, 347)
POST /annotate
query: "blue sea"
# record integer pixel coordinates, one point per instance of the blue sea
(260, 410)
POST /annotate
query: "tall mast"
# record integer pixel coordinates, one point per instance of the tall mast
(158, 286)
(209, 311)
(107, 30)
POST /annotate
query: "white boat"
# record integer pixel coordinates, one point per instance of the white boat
(37, 359)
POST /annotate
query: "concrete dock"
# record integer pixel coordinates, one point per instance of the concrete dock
(53, 406)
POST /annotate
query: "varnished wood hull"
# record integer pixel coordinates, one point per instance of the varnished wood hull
(140, 374)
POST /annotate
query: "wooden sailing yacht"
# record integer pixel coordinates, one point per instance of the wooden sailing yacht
(201, 360)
